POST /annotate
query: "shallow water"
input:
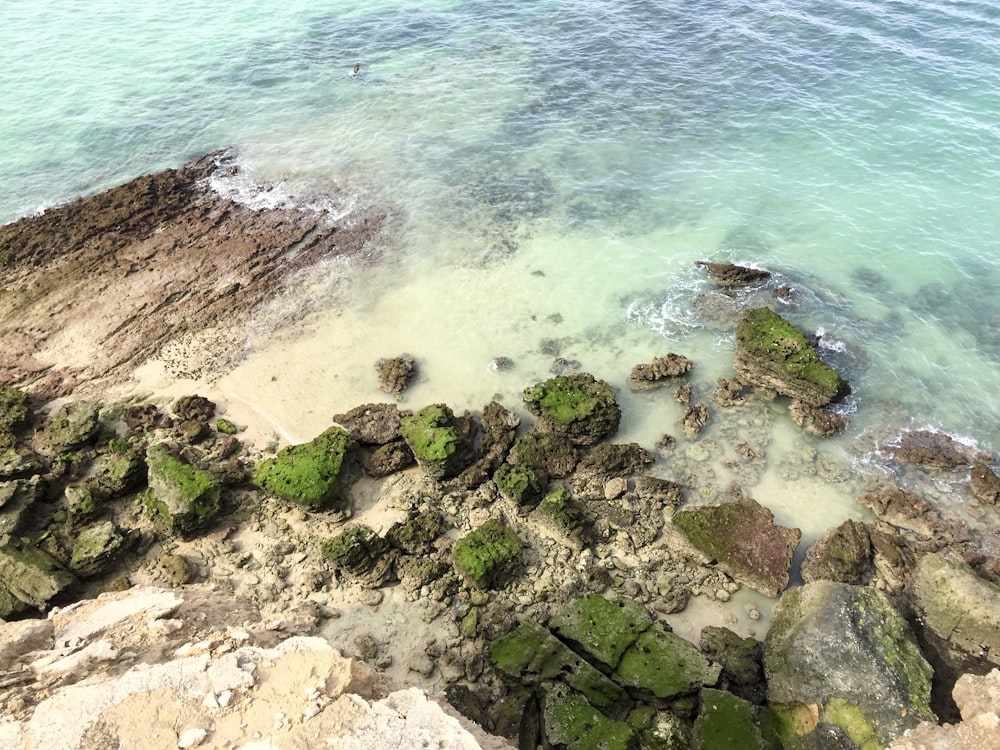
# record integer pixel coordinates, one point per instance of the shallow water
(555, 170)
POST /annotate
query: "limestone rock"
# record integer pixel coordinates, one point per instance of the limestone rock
(647, 376)
(372, 424)
(571, 723)
(978, 698)
(742, 537)
(361, 553)
(664, 665)
(20, 638)
(984, 483)
(579, 407)
(559, 518)
(32, 576)
(729, 392)
(519, 483)
(733, 276)
(932, 449)
(773, 354)
(907, 510)
(96, 547)
(194, 409)
(438, 440)
(601, 629)
(694, 420)
(388, 459)
(845, 651)
(843, 554)
(73, 425)
(554, 456)
(316, 474)
(727, 721)
(395, 373)
(815, 421)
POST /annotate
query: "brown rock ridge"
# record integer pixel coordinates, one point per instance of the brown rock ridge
(121, 273)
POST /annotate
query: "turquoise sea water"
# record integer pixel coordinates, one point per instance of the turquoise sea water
(559, 167)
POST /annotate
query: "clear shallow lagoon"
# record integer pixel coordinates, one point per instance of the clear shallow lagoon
(558, 167)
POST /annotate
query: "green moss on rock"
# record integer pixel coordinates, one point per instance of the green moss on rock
(72, 426)
(571, 722)
(95, 548)
(577, 406)
(361, 553)
(226, 427)
(440, 450)
(183, 497)
(14, 410)
(32, 576)
(416, 535)
(311, 474)
(518, 483)
(487, 556)
(726, 722)
(663, 665)
(601, 629)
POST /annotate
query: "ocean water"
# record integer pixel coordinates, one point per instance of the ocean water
(555, 169)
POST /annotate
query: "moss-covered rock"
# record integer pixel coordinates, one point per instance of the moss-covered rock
(560, 518)
(549, 455)
(181, 496)
(194, 409)
(487, 556)
(664, 665)
(81, 505)
(73, 425)
(95, 548)
(846, 650)
(773, 354)
(117, 473)
(519, 483)
(313, 474)
(32, 576)
(225, 426)
(570, 722)
(438, 444)
(14, 411)
(726, 722)
(535, 656)
(601, 629)
(17, 501)
(361, 553)
(842, 554)
(578, 407)
(416, 535)
(741, 659)
(743, 538)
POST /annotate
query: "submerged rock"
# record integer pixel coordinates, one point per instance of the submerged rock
(395, 373)
(579, 407)
(773, 354)
(648, 376)
(844, 656)
(314, 474)
(733, 276)
(742, 537)
(932, 449)
(984, 484)
(694, 420)
(815, 421)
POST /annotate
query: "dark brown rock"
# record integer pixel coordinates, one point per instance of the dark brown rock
(395, 373)
(733, 276)
(194, 408)
(647, 376)
(372, 424)
(984, 483)
(816, 421)
(843, 554)
(910, 512)
(931, 449)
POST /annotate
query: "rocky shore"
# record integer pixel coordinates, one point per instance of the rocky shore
(516, 561)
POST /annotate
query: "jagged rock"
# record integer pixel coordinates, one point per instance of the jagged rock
(774, 355)
(416, 535)
(553, 455)
(32, 576)
(316, 474)
(907, 510)
(821, 423)
(372, 424)
(935, 450)
(362, 554)
(645, 377)
(571, 723)
(17, 503)
(141, 417)
(15, 408)
(183, 497)
(522, 484)
(601, 629)
(194, 409)
(438, 440)
(978, 699)
(577, 406)
(499, 429)
(727, 721)
(742, 537)
(729, 392)
(487, 556)
(395, 373)
(95, 548)
(117, 473)
(559, 518)
(842, 655)
(694, 420)
(607, 461)
(984, 483)
(741, 659)
(684, 393)
(733, 276)
(73, 425)
(20, 464)
(664, 665)
(661, 493)
(843, 554)
(388, 459)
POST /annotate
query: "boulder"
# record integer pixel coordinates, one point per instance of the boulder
(843, 554)
(607, 461)
(842, 655)
(17, 504)
(743, 539)
(372, 424)
(32, 576)
(183, 497)
(553, 456)
(438, 440)
(194, 409)
(664, 665)
(487, 556)
(601, 629)
(362, 554)
(645, 377)
(571, 723)
(521, 484)
(95, 548)
(578, 407)
(117, 473)
(727, 722)
(733, 276)
(984, 484)
(817, 421)
(774, 355)
(417, 534)
(741, 659)
(559, 518)
(395, 373)
(314, 474)
(388, 459)
(73, 425)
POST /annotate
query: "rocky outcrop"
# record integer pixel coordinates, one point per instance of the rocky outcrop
(372, 424)
(912, 514)
(395, 373)
(840, 656)
(732, 276)
(843, 554)
(315, 474)
(774, 355)
(645, 377)
(984, 484)
(216, 260)
(578, 407)
(742, 538)
(931, 449)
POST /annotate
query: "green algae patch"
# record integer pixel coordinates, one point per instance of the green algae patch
(726, 722)
(578, 406)
(95, 548)
(226, 427)
(518, 483)
(571, 722)
(436, 443)
(535, 656)
(14, 411)
(853, 721)
(487, 556)
(561, 519)
(602, 629)
(774, 354)
(416, 535)
(311, 474)
(182, 496)
(664, 665)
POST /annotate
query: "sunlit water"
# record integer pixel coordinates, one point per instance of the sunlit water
(556, 168)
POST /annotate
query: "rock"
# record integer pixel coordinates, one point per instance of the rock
(32, 576)
(742, 537)
(821, 423)
(395, 373)
(117, 473)
(520, 484)
(194, 409)
(535, 656)
(316, 474)
(727, 721)
(601, 629)
(729, 392)
(141, 417)
(225, 427)
(372, 424)
(845, 656)
(774, 355)
(499, 429)
(95, 548)
(984, 484)
(388, 459)
(20, 638)
(362, 554)
(15, 409)
(17, 504)
(438, 441)
(660, 493)
(932, 449)
(741, 659)
(181, 496)
(694, 420)
(843, 554)
(732, 276)
(607, 461)
(684, 393)
(559, 518)
(908, 511)
(552, 455)
(191, 737)
(578, 407)
(416, 535)
(647, 376)
(664, 665)
(571, 723)
(73, 425)
(487, 556)
(960, 613)
(978, 698)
